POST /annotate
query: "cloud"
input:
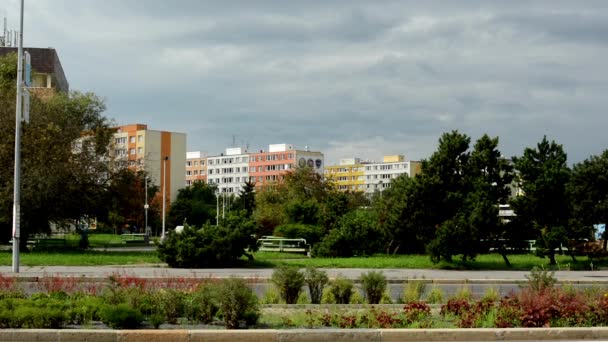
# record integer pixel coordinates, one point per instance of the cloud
(349, 78)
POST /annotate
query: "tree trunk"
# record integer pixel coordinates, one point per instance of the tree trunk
(504, 257)
(552, 257)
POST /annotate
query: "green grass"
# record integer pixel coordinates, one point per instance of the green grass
(522, 262)
(75, 258)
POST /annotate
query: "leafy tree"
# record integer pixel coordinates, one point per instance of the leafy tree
(543, 175)
(64, 157)
(588, 193)
(356, 234)
(195, 204)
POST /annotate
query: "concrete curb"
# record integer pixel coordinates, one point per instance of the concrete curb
(305, 335)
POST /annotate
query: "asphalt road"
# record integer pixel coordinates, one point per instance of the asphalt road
(160, 271)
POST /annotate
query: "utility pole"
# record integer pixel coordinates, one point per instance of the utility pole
(162, 235)
(146, 206)
(217, 207)
(17, 177)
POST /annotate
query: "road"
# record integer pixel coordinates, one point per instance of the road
(160, 271)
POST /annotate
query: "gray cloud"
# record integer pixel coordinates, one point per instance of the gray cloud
(350, 78)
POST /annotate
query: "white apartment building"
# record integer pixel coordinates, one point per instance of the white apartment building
(229, 171)
(378, 176)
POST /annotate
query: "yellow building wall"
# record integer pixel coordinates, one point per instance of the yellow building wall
(346, 177)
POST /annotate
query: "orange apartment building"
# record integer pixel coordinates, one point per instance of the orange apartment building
(196, 167)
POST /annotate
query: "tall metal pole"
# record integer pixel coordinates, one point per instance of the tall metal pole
(217, 208)
(17, 178)
(146, 206)
(162, 235)
(223, 205)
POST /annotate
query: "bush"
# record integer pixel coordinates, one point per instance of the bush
(210, 246)
(172, 304)
(355, 234)
(120, 316)
(311, 233)
(237, 302)
(201, 305)
(271, 295)
(85, 309)
(289, 281)
(413, 291)
(374, 285)
(416, 312)
(540, 279)
(316, 281)
(342, 289)
(435, 296)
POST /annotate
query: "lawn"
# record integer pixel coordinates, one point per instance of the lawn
(522, 262)
(76, 258)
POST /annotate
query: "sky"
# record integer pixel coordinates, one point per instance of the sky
(348, 78)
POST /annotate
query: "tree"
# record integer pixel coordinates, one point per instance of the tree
(195, 204)
(357, 233)
(64, 157)
(246, 199)
(542, 176)
(588, 193)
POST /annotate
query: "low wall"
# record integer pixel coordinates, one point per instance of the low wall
(304, 335)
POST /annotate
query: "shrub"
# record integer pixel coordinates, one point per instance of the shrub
(342, 289)
(85, 309)
(356, 233)
(374, 285)
(540, 279)
(303, 298)
(464, 293)
(491, 294)
(210, 246)
(435, 296)
(416, 311)
(316, 281)
(328, 298)
(456, 307)
(311, 233)
(356, 297)
(172, 304)
(120, 316)
(237, 302)
(386, 298)
(201, 305)
(289, 281)
(413, 291)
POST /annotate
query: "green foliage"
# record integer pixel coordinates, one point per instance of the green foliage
(373, 284)
(120, 316)
(310, 233)
(543, 175)
(435, 296)
(271, 295)
(237, 302)
(540, 279)
(210, 246)
(201, 306)
(172, 304)
(246, 199)
(341, 289)
(195, 204)
(316, 281)
(413, 290)
(356, 234)
(86, 309)
(289, 281)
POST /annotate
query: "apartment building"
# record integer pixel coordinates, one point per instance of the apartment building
(269, 167)
(349, 175)
(47, 74)
(139, 148)
(230, 170)
(378, 176)
(196, 167)
(352, 174)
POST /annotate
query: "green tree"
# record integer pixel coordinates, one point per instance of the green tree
(357, 233)
(195, 204)
(64, 154)
(542, 175)
(588, 193)
(246, 199)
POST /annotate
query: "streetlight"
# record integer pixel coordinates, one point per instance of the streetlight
(146, 206)
(162, 235)
(17, 178)
(217, 206)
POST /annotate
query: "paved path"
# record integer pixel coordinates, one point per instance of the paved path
(352, 273)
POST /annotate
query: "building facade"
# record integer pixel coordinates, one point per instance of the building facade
(229, 171)
(352, 174)
(196, 167)
(139, 148)
(47, 73)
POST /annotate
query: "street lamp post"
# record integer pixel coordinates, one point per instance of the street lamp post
(162, 235)
(17, 173)
(217, 207)
(146, 206)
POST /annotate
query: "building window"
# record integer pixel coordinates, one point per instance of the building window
(140, 138)
(132, 140)
(140, 150)
(195, 172)
(132, 151)
(188, 163)
(195, 163)
(202, 163)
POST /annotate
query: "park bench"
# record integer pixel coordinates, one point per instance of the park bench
(279, 244)
(133, 238)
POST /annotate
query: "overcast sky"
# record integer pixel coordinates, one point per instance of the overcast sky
(348, 78)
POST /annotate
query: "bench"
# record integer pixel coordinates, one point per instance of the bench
(133, 238)
(279, 244)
